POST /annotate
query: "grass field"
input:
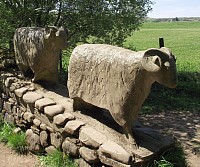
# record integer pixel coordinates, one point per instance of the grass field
(183, 38)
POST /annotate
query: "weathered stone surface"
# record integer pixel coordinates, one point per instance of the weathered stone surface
(50, 129)
(35, 129)
(53, 110)
(56, 139)
(118, 79)
(9, 81)
(112, 162)
(21, 111)
(43, 126)
(50, 149)
(28, 116)
(17, 130)
(44, 138)
(83, 163)
(114, 151)
(8, 106)
(33, 140)
(14, 110)
(36, 122)
(29, 132)
(34, 51)
(89, 155)
(70, 148)
(21, 91)
(73, 126)
(61, 119)
(9, 118)
(91, 137)
(31, 97)
(41, 103)
(14, 86)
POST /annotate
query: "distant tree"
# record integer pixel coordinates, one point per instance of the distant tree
(102, 21)
(176, 19)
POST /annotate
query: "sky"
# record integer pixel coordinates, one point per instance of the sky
(175, 8)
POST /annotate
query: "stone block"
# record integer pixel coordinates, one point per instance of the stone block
(33, 141)
(50, 149)
(17, 130)
(35, 129)
(31, 97)
(83, 163)
(56, 139)
(89, 155)
(112, 162)
(28, 116)
(43, 126)
(14, 86)
(114, 151)
(70, 148)
(91, 137)
(53, 110)
(8, 106)
(9, 81)
(67, 104)
(20, 112)
(50, 129)
(36, 122)
(72, 127)
(9, 118)
(20, 92)
(61, 119)
(14, 110)
(44, 138)
(41, 103)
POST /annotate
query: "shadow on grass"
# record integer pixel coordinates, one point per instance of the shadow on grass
(186, 96)
(173, 157)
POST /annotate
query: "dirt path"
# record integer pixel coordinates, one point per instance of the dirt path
(184, 126)
(8, 158)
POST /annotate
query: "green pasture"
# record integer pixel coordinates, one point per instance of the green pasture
(183, 38)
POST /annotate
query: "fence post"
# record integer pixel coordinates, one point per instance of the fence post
(161, 42)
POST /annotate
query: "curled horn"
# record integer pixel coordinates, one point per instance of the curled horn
(152, 60)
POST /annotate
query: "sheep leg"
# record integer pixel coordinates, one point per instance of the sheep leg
(129, 135)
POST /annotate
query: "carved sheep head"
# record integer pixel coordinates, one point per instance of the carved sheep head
(161, 63)
(59, 35)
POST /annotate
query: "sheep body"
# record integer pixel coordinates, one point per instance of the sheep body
(114, 78)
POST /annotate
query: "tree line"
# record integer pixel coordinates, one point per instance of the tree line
(96, 21)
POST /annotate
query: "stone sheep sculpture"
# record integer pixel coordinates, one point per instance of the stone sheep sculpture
(37, 51)
(118, 79)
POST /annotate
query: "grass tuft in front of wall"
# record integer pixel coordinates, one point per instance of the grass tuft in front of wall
(16, 141)
(57, 159)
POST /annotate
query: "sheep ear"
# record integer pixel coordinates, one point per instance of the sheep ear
(152, 60)
(50, 31)
(60, 31)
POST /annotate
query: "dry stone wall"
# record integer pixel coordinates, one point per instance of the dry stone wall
(50, 122)
(51, 125)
